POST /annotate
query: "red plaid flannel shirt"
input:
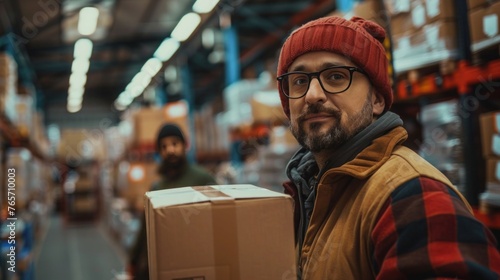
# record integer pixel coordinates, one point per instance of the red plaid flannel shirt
(425, 231)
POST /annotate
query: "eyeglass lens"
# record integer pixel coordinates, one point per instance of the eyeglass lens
(333, 80)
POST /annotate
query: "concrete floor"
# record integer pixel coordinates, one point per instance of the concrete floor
(78, 252)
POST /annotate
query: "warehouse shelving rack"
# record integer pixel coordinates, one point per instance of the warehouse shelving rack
(464, 83)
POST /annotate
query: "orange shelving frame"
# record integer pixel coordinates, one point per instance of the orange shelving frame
(461, 80)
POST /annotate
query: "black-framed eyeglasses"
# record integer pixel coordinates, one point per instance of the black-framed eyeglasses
(335, 79)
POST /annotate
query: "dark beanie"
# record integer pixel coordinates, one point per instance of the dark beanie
(169, 129)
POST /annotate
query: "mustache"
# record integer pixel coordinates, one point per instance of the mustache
(317, 108)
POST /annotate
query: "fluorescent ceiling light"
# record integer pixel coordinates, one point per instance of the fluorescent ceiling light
(83, 48)
(186, 26)
(74, 100)
(166, 49)
(152, 66)
(176, 110)
(119, 106)
(76, 91)
(141, 79)
(74, 108)
(170, 73)
(204, 6)
(87, 21)
(80, 65)
(77, 80)
(208, 38)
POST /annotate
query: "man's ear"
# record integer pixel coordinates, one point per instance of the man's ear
(378, 102)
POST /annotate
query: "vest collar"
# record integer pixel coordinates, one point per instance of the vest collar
(372, 157)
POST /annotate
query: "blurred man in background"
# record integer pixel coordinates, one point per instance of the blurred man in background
(175, 172)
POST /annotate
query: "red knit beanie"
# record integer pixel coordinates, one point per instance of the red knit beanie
(357, 39)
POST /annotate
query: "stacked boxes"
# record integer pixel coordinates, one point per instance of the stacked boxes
(484, 24)
(8, 80)
(490, 138)
(442, 144)
(220, 232)
(146, 123)
(423, 32)
(81, 145)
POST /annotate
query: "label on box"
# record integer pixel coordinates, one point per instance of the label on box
(497, 171)
(432, 8)
(402, 6)
(490, 25)
(432, 35)
(496, 121)
(495, 145)
(418, 15)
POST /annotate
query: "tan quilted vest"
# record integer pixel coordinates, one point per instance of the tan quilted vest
(337, 243)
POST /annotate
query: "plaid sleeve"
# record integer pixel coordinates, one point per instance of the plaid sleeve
(424, 231)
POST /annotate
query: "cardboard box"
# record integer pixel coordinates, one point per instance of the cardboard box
(484, 23)
(472, 4)
(223, 232)
(493, 170)
(140, 177)
(369, 10)
(402, 24)
(441, 36)
(266, 107)
(439, 10)
(395, 7)
(490, 137)
(147, 123)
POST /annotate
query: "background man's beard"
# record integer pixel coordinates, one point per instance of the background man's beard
(332, 139)
(171, 164)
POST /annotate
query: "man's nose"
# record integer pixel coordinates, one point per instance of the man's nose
(315, 92)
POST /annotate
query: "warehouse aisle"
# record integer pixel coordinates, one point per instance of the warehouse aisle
(78, 252)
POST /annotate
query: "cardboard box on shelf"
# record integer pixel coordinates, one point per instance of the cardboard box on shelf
(493, 170)
(428, 46)
(81, 145)
(441, 35)
(473, 4)
(395, 7)
(490, 136)
(222, 232)
(370, 10)
(439, 10)
(140, 177)
(147, 122)
(402, 24)
(266, 107)
(407, 45)
(484, 23)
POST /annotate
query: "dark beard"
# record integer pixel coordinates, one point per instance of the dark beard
(338, 135)
(171, 166)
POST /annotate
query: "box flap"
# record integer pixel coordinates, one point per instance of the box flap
(213, 194)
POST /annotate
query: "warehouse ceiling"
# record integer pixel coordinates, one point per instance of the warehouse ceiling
(128, 33)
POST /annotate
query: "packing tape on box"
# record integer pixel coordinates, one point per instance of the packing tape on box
(225, 231)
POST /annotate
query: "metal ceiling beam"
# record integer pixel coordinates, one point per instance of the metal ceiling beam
(270, 8)
(132, 44)
(318, 8)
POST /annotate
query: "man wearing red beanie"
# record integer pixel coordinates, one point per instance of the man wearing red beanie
(366, 206)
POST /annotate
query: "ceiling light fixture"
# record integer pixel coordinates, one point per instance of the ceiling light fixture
(166, 49)
(80, 65)
(186, 26)
(87, 21)
(83, 48)
(77, 80)
(204, 6)
(152, 66)
(73, 108)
